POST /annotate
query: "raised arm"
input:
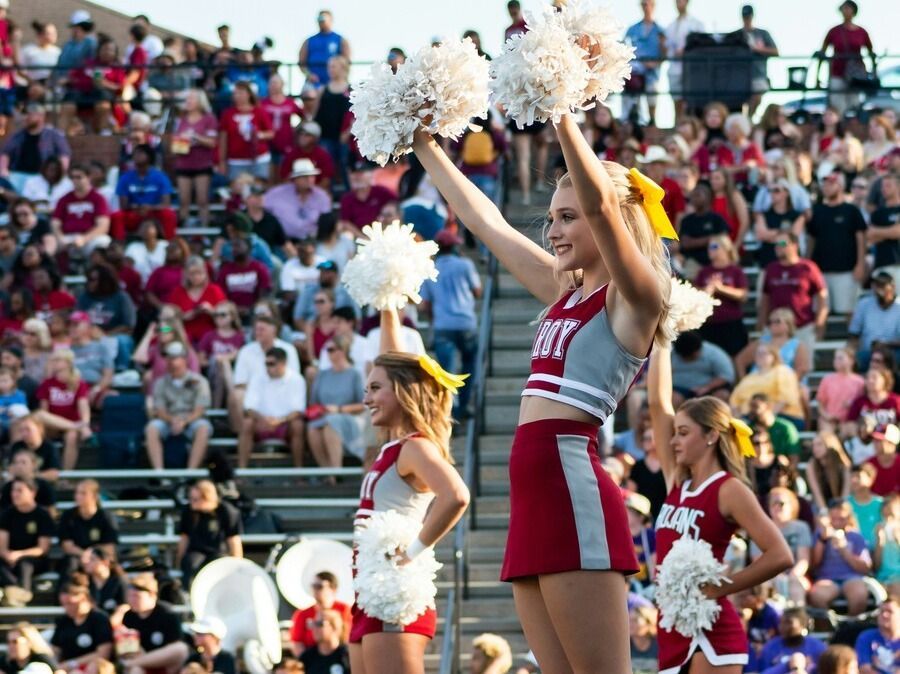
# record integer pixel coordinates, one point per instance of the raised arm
(390, 332)
(662, 412)
(532, 266)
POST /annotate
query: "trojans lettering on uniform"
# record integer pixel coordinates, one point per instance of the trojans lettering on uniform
(553, 337)
(681, 520)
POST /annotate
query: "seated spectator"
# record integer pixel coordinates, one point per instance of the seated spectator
(208, 651)
(784, 168)
(25, 151)
(274, 408)
(32, 436)
(362, 203)
(25, 532)
(332, 243)
(878, 648)
(83, 634)
(728, 202)
(150, 353)
(777, 381)
(46, 188)
(163, 280)
(838, 660)
(30, 227)
(646, 477)
(210, 528)
(839, 561)
(98, 175)
(885, 462)
(194, 145)
(360, 351)
(878, 405)
(491, 654)
(837, 391)
(779, 217)
(643, 536)
(881, 142)
(305, 308)
(883, 233)
(761, 467)
(741, 154)
(828, 470)
(66, 394)
(781, 653)
(93, 358)
(329, 655)
(180, 401)
(700, 368)
(99, 84)
(298, 204)
(197, 298)
(24, 646)
(306, 146)
(87, 525)
(237, 224)
(335, 417)
(171, 82)
(36, 347)
(796, 284)
(23, 463)
(783, 434)
(9, 251)
(80, 220)
(324, 592)
(724, 280)
(110, 308)
(697, 228)
(12, 358)
(783, 507)
(886, 553)
(158, 628)
(876, 320)
(319, 330)
(10, 395)
(866, 504)
(781, 334)
(148, 253)
(243, 279)
(218, 349)
(19, 308)
(265, 225)
(144, 191)
(761, 615)
(130, 281)
(106, 580)
(48, 296)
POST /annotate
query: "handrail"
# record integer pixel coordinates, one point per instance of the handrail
(449, 642)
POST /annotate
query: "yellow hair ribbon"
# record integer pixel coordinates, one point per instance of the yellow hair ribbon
(451, 382)
(743, 433)
(653, 195)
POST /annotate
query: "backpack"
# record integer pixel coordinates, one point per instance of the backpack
(478, 148)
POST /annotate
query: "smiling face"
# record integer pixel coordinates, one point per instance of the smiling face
(381, 400)
(568, 232)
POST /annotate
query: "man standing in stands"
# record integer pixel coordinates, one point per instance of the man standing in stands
(514, 7)
(27, 149)
(676, 38)
(317, 49)
(884, 232)
(762, 46)
(649, 42)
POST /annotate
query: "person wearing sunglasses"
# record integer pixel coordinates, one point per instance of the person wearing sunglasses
(724, 280)
(780, 216)
(329, 655)
(324, 592)
(198, 298)
(783, 507)
(219, 347)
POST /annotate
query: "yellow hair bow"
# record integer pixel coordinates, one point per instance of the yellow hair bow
(451, 382)
(653, 195)
(743, 433)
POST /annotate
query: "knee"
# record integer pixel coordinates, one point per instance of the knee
(296, 427)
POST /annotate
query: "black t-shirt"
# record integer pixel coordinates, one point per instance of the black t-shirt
(47, 454)
(780, 222)
(26, 528)
(29, 387)
(36, 234)
(834, 228)
(207, 532)
(699, 225)
(160, 628)
(101, 528)
(73, 640)
(887, 252)
(111, 595)
(223, 663)
(46, 495)
(650, 484)
(337, 662)
(30, 156)
(13, 667)
(269, 229)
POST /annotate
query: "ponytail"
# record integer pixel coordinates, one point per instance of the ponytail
(714, 415)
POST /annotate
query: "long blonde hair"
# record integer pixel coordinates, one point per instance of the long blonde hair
(425, 403)
(631, 206)
(74, 375)
(714, 415)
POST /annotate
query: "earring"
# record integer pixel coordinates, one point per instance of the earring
(710, 444)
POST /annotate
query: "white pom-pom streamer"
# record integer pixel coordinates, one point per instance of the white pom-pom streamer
(689, 307)
(392, 593)
(682, 605)
(389, 267)
(545, 73)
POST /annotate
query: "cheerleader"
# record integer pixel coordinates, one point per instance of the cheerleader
(702, 450)
(606, 282)
(409, 398)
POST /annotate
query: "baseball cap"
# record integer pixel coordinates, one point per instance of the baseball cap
(240, 221)
(312, 128)
(327, 265)
(363, 165)
(209, 625)
(447, 238)
(655, 153)
(890, 433)
(80, 16)
(638, 503)
(175, 350)
(79, 317)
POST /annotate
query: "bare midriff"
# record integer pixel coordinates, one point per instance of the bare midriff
(535, 408)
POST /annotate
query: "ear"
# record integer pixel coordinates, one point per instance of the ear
(712, 436)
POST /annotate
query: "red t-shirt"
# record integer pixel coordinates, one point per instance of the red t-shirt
(848, 45)
(131, 282)
(317, 154)
(61, 399)
(244, 283)
(794, 286)
(673, 202)
(138, 61)
(302, 623)
(78, 214)
(362, 213)
(82, 78)
(883, 413)
(201, 323)
(213, 344)
(887, 480)
(280, 114)
(732, 276)
(720, 206)
(55, 300)
(163, 280)
(242, 129)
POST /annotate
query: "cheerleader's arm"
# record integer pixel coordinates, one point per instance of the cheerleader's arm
(390, 332)
(662, 411)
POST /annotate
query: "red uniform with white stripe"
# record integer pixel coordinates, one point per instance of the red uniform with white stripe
(383, 489)
(695, 514)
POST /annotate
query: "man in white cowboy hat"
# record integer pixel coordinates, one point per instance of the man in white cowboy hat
(298, 203)
(656, 162)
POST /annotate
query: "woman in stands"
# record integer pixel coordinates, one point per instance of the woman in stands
(606, 284)
(410, 398)
(702, 449)
(828, 470)
(24, 645)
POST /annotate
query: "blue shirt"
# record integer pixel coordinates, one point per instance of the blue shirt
(647, 43)
(17, 397)
(873, 323)
(259, 251)
(452, 296)
(74, 54)
(775, 654)
(148, 190)
(874, 650)
(319, 48)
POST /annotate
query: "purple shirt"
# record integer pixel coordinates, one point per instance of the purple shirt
(191, 156)
(775, 654)
(833, 566)
(298, 218)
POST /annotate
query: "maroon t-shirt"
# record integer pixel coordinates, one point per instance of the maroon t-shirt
(164, 280)
(362, 213)
(883, 413)
(794, 286)
(62, 400)
(848, 45)
(317, 154)
(198, 157)
(244, 283)
(213, 344)
(78, 214)
(887, 480)
(280, 114)
(733, 276)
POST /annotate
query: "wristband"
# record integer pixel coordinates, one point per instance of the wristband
(416, 548)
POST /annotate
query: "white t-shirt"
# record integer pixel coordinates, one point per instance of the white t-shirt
(33, 55)
(676, 38)
(36, 188)
(146, 262)
(251, 361)
(410, 339)
(295, 275)
(342, 250)
(361, 353)
(276, 397)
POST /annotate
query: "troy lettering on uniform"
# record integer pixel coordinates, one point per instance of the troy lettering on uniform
(367, 491)
(553, 336)
(682, 520)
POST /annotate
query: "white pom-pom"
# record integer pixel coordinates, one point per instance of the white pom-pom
(689, 307)
(389, 267)
(682, 605)
(392, 593)
(384, 115)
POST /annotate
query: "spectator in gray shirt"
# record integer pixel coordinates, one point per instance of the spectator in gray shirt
(93, 358)
(699, 368)
(876, 320)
